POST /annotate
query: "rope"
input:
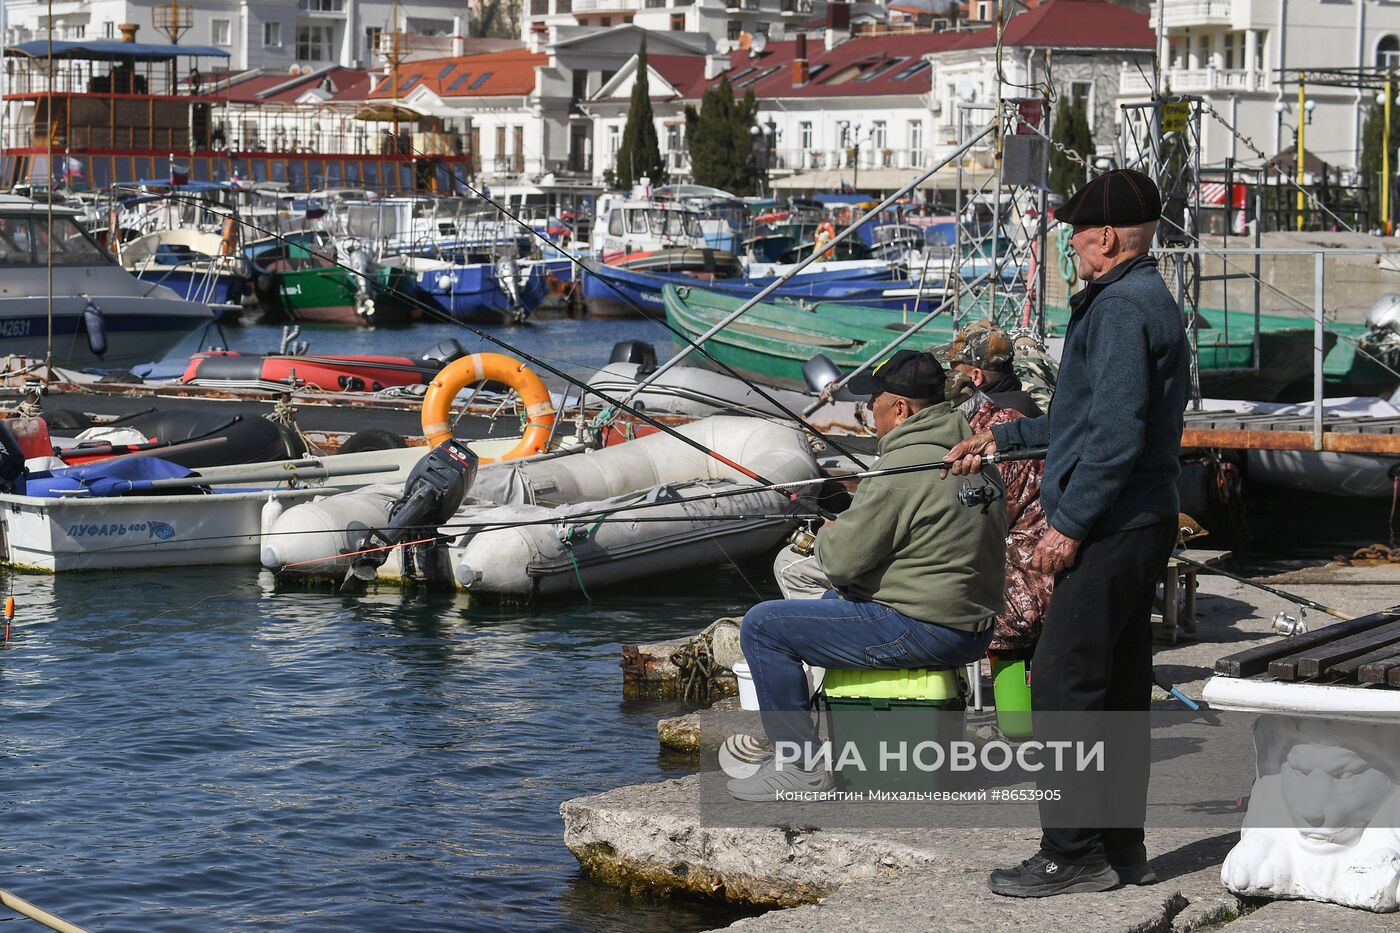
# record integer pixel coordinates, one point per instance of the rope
(696, 662)
(567, 536)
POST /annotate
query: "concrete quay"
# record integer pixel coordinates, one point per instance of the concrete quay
(654, 838)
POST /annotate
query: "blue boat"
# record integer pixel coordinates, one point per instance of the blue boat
(196, 265)
(609, 291)
(479, 292)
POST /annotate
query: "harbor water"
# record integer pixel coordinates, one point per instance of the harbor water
(192, 750)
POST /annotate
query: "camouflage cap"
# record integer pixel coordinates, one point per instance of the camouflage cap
(983, 344)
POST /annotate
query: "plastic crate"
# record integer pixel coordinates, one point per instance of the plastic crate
(874, 711)
(1011, 687)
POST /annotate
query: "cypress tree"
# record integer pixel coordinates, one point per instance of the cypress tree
(720, 140)
(639, 153)
(1071, 130)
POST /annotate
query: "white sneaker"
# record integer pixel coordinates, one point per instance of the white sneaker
(769, 782)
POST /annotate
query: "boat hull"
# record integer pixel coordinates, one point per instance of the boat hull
(473, 293)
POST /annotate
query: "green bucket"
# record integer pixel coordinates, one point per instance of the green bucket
(1011, 685)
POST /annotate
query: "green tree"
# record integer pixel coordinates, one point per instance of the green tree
(1071, 130)
(719, 137)
(1371, 156)
(639, 153)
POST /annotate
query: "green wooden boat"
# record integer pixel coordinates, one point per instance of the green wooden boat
(307, 287)
(772, 340)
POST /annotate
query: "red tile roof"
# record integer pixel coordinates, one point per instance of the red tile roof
(350, 84)
(509, 73)
(871, 66)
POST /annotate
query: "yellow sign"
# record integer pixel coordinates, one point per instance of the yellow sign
(1174, 116)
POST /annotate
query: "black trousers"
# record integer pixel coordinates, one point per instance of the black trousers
(1095, 653)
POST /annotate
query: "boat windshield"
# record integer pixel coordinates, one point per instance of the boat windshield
(25, 241)
(674, 223)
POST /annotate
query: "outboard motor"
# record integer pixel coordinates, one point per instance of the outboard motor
(11, 461)
(96, 327)
(431, 496)
(820, 372)
(442, 353)
(635, 351)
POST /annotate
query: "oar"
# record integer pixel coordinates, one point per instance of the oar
(253, 473)
(20, 906)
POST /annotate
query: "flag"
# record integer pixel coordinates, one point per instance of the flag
(847, 187)
(179, 173)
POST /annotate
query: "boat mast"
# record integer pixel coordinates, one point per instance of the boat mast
(48, 158)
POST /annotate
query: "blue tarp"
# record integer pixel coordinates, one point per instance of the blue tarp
(113, 50)
(105, 478)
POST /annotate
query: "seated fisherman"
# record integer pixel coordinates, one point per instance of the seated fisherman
(983, 352)
(917, 575)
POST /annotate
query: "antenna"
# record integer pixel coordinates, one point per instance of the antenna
(724, 46)
(174, 19)
(758, 44)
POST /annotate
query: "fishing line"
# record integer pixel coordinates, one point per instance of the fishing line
(530, 358)
(663, 321)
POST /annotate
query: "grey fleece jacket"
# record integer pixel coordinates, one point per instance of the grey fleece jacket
(1114, 428)
(908, 543)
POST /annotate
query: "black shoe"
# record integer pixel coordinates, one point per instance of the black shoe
(1042, 876)
(1139, 874)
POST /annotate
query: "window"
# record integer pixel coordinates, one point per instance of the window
(77, 31)
(580, 91)
(372, 34)
(272, 35)
(804, 135)
(109, 30)
(446, 70)
(1081, 95)
(673, 138)
(409, 82)
(909, 71)
(815, 70)
(614, 140)
(615, 222)
(605, 21)
(916, 142)
(480, 80)
(460, 80)
(383, 84)
(1388, 52)
(875, 71)
(678, 22)
(1229, 51)
(321, 6)
(741, 73)
(223, 31)
(1204, 54)
(733, 30)
(758, 77)
(313, 43)
(880, 135)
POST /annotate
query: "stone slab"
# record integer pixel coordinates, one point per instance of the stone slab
(1309, 917)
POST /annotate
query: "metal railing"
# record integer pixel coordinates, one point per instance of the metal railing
(1181, 13)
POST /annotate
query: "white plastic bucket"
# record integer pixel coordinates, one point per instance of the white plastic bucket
(748, 694)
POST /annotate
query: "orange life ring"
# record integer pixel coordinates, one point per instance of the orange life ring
(228, 238)
(460, 373)
(828, 228)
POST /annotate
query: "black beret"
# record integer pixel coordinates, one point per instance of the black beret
(1121, 198)
(908, 373)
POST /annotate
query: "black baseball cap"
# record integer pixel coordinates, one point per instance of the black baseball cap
(1121, 198)
(908, 373)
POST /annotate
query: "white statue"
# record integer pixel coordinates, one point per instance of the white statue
(1324, 815)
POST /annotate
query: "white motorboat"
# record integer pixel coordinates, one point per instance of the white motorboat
(102, 315)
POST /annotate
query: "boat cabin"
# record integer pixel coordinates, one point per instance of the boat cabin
(638, 226)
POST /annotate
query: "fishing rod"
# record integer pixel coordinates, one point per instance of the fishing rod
(637, 413)
(603, 513)
(1291, 597)
(813, 257)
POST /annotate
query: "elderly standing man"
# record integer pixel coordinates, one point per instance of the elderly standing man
(1109, 493)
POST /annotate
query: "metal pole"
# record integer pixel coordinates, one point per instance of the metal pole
(1302, 123)
(1385, 162)
(1318, 265)
(774, 285)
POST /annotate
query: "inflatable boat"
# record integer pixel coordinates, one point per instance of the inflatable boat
(525, 533)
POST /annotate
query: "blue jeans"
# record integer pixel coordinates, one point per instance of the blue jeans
(777, 636)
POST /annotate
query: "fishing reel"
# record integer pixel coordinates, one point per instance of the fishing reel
(431, 496)
(1288, 626)
(803, 540)
(981, 496)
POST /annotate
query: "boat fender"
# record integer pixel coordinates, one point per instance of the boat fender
(372, 439)
(495, 367)
(272, 509)
(96, 327)
(228, 237)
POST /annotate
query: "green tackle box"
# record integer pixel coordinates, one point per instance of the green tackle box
(869, 713)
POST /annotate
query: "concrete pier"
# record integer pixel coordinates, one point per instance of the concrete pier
(650, 837)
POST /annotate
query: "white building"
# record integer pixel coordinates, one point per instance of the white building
(720, 19)
(1230, 52)
(272, 34)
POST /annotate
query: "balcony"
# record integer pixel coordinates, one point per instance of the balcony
(606, 6)
(810, 160)
(741, 6)
(795, 7)
(1180, 14)
(1131, 83)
